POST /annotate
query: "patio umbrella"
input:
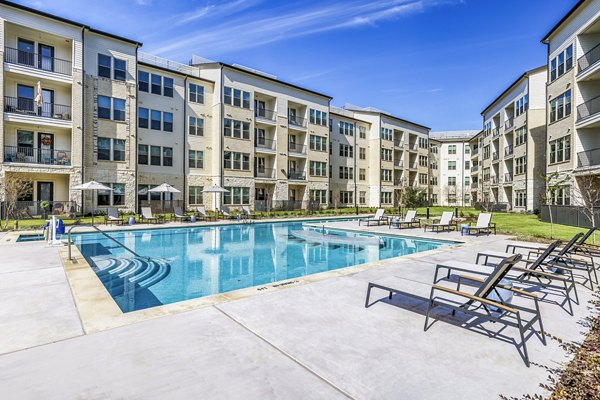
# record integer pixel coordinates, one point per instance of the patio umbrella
(164, 188)
(94, 186)
(215, 189)
(39, 99)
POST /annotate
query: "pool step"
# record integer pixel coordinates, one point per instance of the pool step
(115, 273)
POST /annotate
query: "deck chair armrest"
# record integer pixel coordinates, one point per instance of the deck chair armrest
(512, 289)
(539, 272)
(475, 298)
(451, 269)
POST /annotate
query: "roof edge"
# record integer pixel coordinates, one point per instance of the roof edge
(562, 20)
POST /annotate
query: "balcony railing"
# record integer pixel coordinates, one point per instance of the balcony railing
(37, 61)
(32, 155)
(399, 163)
(398, 143)
(588, 108)
(508, 178)
(261, 172)
(414, 165)
(495, 180)
(265, 114)
(589, 158)
(508, 124)
(496, 132)
(26, 106)
(296, 121)
(474, 185)
(296, 176)
(495, 157)
(508, 150)
(474, 168)
(296, 148)
(263, 143)
(588, 59)
(413, 147)
(474, 151)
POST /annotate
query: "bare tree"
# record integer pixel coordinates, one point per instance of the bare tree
(553, 182)
(486, 201)
(400, 195)
(587, 196)
(15, 188)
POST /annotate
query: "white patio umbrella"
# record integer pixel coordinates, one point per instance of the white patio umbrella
(164, 188)
(39, 99)
(215, 189)
(94, 186)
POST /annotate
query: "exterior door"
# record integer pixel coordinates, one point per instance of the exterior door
(45, 57)
(292, 145)
(47, 108)
(260, 108)
(260, 137)
(45, 148)
(260, 165)
(45, 191)
(292, 194)
(25, 52)
(25, 96)
(292, 115)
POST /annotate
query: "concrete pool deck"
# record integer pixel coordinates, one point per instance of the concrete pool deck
(310, 340)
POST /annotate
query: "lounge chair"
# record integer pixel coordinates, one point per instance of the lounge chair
(444, 224)
(484, 224)
(587, 248)
(112, 215)
(148, 216)
(179, 215)
(479, 303)
(534, 273)
(248, 213)
(410, 221)
(227, 215)
(378, 218)
(201, 213)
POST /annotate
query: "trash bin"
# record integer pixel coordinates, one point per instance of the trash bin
(464, 229)
(131, 221)
(193, 218)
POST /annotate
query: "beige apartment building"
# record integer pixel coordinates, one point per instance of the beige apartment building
(450, 168)
(508, 155)
(573, 98)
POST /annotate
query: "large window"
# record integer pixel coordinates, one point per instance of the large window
(196, 126)
(560, 107)
(346, 172)
(104, 62)
(318, 143)
(562, 63)
(386, 197)
(362, 153)
(346, 128)
(318, 117)
(452, 149)
(236, 129)
(111, 149)
(114, 197)
(196, 94)
(520, 165)
(196, 159)
(346, 151)
(560, 150)
(236, 97)
(111, 108)
(236, 196)
(386, 175)
(386, 155)
(143, 81)
(451, 165)
(120, 69)
(346, 197)
(451, 181)
(167, 122)
(521, 105)
(520, 136)
(143, 117)
(143, 154)
(520, 198)
(386, 134)
(423, 179)
(318, 168)
(234, 160)
(423, 161)
(195, 195)
(319, 196)
(362, 174)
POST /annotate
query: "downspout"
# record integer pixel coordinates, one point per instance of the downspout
(222, 138)
(83, 130)
(355, 154)
(135, 168)
(185, 99)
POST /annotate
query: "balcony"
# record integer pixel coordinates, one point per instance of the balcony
(589, 108)
(509, 124)
(25, 106)
(296, 148)
(261, 143)
(508, 178)
(297, 122)
(508, 150)
(495, 157)
(37, 61)
(267, 173)
(31, 155)
(588, 59)
(413, 147)
(264, 114)
(296, 176)
(398, 143)
(495, 132)
(474, 185)
(590, 158)
(475, 168)
(495, 180)
(413, 166)
(399, 164)
(474, 151)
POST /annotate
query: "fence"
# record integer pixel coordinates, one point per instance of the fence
(40, 209)
(286, 205)
(495, 207)
(569, 215)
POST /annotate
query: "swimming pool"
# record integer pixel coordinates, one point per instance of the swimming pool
(191, 262)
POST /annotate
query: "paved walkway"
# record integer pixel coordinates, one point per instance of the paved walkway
(311, 341)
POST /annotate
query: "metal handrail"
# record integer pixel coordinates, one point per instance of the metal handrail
(589, 58)
(104, 234)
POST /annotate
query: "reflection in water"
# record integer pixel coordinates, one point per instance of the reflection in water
(188, 263)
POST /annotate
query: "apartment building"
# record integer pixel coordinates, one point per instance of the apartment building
(450, 168)
(573, 99)
(509, 153)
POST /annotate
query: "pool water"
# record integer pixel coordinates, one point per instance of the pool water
(191, 262)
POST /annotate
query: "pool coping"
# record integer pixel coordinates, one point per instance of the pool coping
(98, 311)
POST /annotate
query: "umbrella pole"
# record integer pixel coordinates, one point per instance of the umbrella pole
(93, 200)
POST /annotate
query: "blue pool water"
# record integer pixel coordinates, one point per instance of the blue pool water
(192, 262)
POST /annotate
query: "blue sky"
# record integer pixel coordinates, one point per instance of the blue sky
(435, 62)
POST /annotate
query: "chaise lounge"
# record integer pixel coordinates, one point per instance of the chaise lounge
(444, 224)
(378, 218)
(409, 221)
(484, 224)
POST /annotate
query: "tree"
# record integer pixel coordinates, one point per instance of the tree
(15, 188)
(486, 202)
(587, 196)
(553, 182)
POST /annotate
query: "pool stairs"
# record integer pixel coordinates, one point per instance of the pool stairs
(116, 273)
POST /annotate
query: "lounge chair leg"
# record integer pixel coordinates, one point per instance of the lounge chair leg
(390, 296)
(429, 308)
(539, 317)
(522, 334)
(368, 296)
(569, 298)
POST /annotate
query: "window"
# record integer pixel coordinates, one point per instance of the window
(143, 154)
(167, 156)
(346, 128)
(318, 168)
(467, 149)
(239, 161)
(156, 87)
(155, 122)
(120, 72)
(143, 117)
(560, 150)
(346, 151)
(386, 175)
(562, 196)
(433, 148)
(451, 165)
(467, 164)
(196, 126)
(521, 105)
(236, 129)
(196, 93)
(362, 174)
(346, 197)
(386, 197)
(195, 195)
(236, 196)
(103, 149)
(467, 181)
(362, 153)
(422, 143)
(520, 198)
(433, 165)
(362, 131)
(318, 117)
(560, 107)
(143, 81)
(196, 159)
(111, 149)
(423, 161)
(319, 196)
(119, 109)
(154, 155)
(346, 173)
(520, 164)
(451, 181)
(386, 134)
(452, 149)
(104, 65)
(423, 179)
(114, 197)
(167, 122)
(118, 150)
(167, 87)
(234, 97)
(318, 143)
(386, 155)
(362, 197)
(486, 151)
(562, 63)
(104, 107)
(433, 181)
(434, 198)
(520, 136)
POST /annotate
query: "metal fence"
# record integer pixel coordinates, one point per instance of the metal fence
(569, 215)
(40, 209)
(286, 205)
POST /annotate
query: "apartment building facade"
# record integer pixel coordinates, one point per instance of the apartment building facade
(450, 168)
(508, 158)
(573, 100)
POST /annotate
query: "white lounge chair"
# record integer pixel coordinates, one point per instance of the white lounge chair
(201, 211)
(148, 216)
(178, 214)
(409, 221)
(444, 224)
(378, 218)
(248, 213)
(484, 224)
(112, 215)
